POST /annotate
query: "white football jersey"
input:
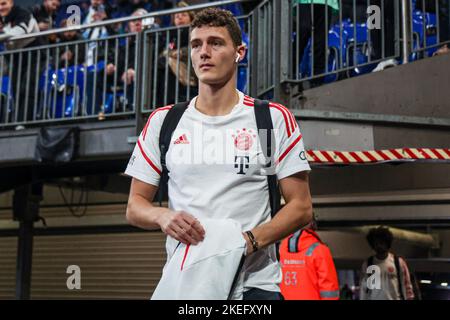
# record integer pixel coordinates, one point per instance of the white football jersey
(217, 170)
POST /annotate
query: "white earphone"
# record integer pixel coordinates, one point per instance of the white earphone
(237, 58)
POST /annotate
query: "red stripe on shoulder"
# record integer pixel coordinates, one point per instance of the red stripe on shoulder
(289, 148)
(248, 101)
(285, 116)
(148, 159)
(144, 131)
(291, 117)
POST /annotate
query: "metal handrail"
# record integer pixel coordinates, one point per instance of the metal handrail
(121, 20)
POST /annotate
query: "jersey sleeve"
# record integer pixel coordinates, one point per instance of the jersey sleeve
(145, 162)
(290, 155)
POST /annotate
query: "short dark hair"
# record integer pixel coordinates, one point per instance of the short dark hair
(380, 234)
(214, 17)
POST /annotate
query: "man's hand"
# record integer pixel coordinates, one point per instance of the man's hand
(182, 226)
(128, 76)
(110, 69)
(99, 16)
(44, 26)
(68, 55)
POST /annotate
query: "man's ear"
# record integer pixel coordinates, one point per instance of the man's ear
(241, 50)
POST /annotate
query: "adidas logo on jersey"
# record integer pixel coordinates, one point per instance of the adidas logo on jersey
(182, 140)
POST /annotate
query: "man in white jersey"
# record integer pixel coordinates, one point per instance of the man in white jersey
(394, 281)
(214, 162)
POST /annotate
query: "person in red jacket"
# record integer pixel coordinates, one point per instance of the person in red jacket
(308, 267)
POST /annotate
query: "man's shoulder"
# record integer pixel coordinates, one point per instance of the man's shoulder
(276, 109)
(39, 12)
(157, 116)
(19, 14)
(282, 117)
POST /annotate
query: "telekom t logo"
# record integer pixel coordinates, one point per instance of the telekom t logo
(241, 162)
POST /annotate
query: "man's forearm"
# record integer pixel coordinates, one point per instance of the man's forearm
(141, 213)
(292, 217)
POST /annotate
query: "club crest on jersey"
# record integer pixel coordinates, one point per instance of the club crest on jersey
(244, 139)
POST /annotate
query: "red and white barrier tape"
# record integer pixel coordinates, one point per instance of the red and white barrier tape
(377, 156)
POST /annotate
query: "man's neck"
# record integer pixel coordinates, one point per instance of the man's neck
(382, 256)
(217, 100)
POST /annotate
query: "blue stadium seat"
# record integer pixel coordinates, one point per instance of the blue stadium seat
(421, 21)
(62, 82)
(7, 99)
(336, 52)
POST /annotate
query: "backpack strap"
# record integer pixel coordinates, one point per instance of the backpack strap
(265, 125)
(169, 125)
(399, 276)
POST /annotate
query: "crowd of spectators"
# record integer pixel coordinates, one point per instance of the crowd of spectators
(119, 68)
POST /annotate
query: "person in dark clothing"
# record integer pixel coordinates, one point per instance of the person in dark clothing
(158, 5)
(71, 54)
(313, 21)
(45, 15)
(388, 31)
(16, 21)
(174, 58)
(120, 72)
(99, 10)
(443, 13)
(126, 68)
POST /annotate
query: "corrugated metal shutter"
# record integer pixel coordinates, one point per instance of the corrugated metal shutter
(8, 251)
(122, 266)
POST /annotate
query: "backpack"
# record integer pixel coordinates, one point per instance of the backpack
(263, 122)
(399, 274)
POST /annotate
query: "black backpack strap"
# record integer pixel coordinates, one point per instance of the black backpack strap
(169, 125)
(399, 276)
(265, 126)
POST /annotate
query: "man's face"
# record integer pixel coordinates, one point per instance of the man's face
(135, 26)
(70, 35)
(52, 5)
(380, 247)
(213, 54)
(182, 19)
(5, 7)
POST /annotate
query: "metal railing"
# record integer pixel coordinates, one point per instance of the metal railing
(429, 26)
(168, 76)
(119, 75)
(340, 43)
(53, 82)
(289, 43)
(338, 40)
